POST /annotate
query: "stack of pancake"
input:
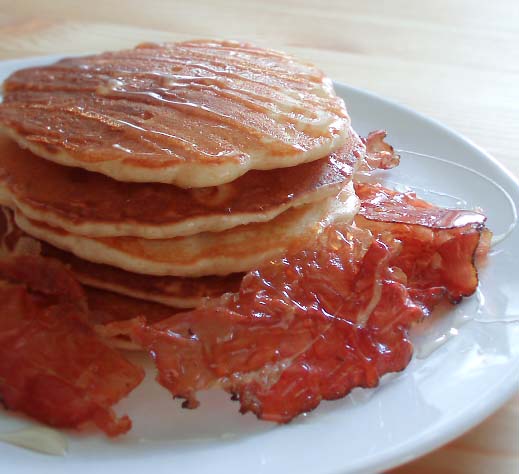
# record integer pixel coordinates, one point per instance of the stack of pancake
(166, 171)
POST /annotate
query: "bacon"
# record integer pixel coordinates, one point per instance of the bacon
(379, 154)
(306, 327)
(438, 246)
(318, 322)
(53, 367)
(45, 276)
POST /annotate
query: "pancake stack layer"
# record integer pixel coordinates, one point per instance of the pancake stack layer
(164, 172)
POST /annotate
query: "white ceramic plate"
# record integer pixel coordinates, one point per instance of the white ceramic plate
(433, 401)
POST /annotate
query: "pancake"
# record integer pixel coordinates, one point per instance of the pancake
(193, 114)
(176, 292)
(91, 204)
(107, 307)
(231, 251)
(109, 315)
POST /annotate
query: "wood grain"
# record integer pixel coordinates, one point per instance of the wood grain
(456, 61)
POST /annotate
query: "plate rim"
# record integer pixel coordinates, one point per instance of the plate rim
(466, 420)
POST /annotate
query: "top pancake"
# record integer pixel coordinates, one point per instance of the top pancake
(193, 114)
(94, 205)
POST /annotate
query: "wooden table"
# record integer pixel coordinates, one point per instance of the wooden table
(457, 61)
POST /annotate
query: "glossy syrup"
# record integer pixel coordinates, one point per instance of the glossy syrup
(150, 101)
(488, 304)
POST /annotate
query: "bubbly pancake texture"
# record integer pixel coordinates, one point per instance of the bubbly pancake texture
(177, 292)
(94, 205)
(193, 114)
(235, 250)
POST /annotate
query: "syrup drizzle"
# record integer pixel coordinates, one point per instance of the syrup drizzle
(188, 78)
(496, 239)
(428, 341)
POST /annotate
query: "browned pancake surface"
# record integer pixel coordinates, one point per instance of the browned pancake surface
(194, 114)
(107, 307)
(210, 253)
(92, 204)
(172, 291)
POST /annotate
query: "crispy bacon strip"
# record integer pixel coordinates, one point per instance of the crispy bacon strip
(44, 276)
(438, 246)
(307, 327)
(379, 154)
(319, 322)
(53, 367)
